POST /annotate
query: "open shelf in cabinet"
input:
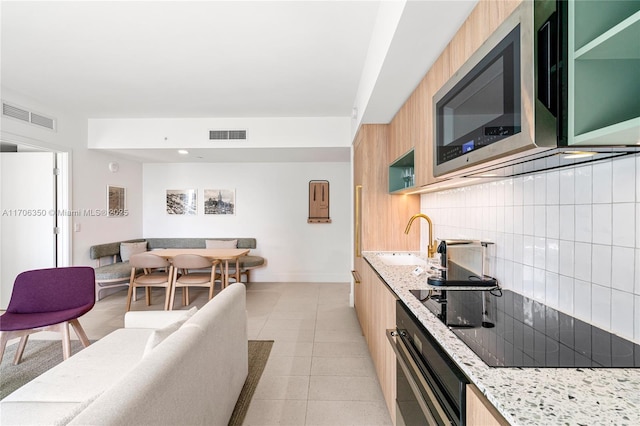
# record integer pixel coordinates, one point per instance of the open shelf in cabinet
(401, 173)
(604, 56)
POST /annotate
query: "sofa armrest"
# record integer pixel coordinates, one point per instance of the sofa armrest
(152, 319)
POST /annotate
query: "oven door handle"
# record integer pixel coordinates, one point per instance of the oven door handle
(413, 375)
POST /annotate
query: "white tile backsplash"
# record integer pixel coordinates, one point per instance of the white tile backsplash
(601, 224)
(601, 265)
(624, 181)
(568, 237)
(622, 268)
(623, 223)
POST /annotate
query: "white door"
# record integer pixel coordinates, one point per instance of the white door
(27, 213)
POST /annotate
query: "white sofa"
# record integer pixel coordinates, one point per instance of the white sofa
(194, 376)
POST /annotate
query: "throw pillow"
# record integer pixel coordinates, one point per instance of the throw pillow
(129, 249)
(159, 334)
(221, 244)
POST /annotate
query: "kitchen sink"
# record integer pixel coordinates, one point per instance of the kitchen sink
(399, 259)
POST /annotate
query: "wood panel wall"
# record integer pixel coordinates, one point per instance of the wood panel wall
(383, 215)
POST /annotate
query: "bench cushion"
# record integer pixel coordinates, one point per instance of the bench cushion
(247, 262)
(113, 272)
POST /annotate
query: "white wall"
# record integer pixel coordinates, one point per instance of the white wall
(569, 238)
(89, 174)
(271, 205)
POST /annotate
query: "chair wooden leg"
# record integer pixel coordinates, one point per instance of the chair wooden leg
(130, 294)
(66, 340)
(4, 338)
(185, 296)
(80, 332)
(167, 298)
(172, 298)
(20, 350)
(147, 293)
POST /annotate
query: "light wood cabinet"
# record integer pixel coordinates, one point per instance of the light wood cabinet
(480, 411)
(377, 313)
(379, 226)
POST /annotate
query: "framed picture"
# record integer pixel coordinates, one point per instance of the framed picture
(219, 201)
(182, 201)
(116, 201)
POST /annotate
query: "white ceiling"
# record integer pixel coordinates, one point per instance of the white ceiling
(123, 59)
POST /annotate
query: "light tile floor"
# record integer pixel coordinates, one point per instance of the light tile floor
(319, 371)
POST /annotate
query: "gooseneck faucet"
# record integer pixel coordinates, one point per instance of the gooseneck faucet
(431, 248)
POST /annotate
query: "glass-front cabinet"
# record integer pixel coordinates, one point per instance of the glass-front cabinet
(604, 72)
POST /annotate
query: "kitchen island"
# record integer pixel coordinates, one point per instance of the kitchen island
(526, 396)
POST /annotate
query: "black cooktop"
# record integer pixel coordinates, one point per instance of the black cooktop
(506, 329)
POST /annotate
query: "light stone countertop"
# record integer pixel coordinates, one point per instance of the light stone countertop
(527, 396)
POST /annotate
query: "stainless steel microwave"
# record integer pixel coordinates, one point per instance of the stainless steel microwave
(486, 111)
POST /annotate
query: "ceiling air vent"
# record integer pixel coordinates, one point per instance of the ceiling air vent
(22, 114)
(43, 121)
(15, 112)
(225, 135)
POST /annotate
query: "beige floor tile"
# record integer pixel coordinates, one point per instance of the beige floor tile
(295, 315)
(282, 348)
(347, 413)
(291, 323)
(339, 335)
(281, 335)
(342, 366)
(265, 412)
(337, 323)
(288, 366)
(338, 349)
(338, 388)
(282, 387)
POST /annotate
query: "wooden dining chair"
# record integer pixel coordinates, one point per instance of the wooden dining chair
(158, 272)
(192, 270)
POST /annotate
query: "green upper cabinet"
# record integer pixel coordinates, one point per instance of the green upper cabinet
(401, 173)
(604, 72)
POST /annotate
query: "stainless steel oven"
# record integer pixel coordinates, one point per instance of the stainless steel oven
(431, 389)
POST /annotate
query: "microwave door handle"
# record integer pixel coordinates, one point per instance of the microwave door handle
(544, 64)
(547, 41)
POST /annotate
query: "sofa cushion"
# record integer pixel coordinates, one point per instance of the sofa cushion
(58, 391)
(159, 334)
(221, 244)
(129, 249)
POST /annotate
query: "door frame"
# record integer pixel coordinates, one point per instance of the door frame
(63, 190)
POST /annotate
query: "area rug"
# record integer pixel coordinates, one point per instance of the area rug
(41, 355)
(38, 357)
(259, 351)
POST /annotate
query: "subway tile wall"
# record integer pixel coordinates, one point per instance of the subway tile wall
(569, 237)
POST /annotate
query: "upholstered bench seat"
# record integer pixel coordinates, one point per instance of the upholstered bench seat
(113, 272)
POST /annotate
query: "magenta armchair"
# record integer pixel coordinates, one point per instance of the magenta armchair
(48, 299)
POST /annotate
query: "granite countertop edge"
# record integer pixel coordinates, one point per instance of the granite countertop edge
(525, 396)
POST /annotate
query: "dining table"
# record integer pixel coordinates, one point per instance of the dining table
(224, 255)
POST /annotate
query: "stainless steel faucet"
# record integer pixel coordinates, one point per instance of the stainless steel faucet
(431, 248)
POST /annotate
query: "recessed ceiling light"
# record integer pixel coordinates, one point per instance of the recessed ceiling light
(183, 151)
(579, 154)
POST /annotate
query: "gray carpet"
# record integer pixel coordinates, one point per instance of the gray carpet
(41, 355)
